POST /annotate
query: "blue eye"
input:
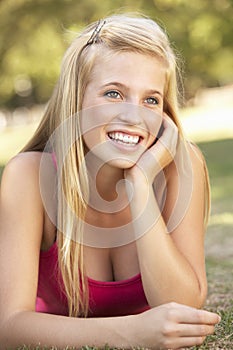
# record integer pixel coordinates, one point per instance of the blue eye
(112, 94)
(152, 101)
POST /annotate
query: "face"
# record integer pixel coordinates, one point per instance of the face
(122, 107)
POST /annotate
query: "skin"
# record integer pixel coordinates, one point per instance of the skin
(172, 266)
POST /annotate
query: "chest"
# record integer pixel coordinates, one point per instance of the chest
(110, 253)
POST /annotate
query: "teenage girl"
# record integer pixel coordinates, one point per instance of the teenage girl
(102, 214)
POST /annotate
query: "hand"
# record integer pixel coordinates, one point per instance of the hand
(175, 326)
(158, 156)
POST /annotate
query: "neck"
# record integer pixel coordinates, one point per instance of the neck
(107, 190)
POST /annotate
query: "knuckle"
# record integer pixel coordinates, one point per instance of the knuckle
(166, 329)
(203, 330)
(172, 314)
(172, 304)
(200, 317)
(206, 330)
(171, 311)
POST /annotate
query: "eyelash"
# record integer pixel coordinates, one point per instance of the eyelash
(155, 100)
(116, 95)
(111, 92)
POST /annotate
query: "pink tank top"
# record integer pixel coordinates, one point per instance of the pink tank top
(117, 298)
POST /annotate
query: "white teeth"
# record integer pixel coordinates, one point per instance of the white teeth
(124, 138)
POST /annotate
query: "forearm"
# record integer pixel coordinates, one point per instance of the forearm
(31, 328)
(166, 274)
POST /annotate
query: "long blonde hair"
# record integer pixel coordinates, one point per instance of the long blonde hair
(118, 33)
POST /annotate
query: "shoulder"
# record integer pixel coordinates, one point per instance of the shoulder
(199, 167)
(19, 182)
(197, 161)
(21, 175)
(196, 155)
(26, 164)
(25, 160)
(21, 167)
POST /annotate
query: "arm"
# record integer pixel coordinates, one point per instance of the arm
(172, 265)
(21, 229)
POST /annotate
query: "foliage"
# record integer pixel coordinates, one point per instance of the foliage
(33, 37)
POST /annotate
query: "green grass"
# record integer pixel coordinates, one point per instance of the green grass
(219, 238)
(219, 242)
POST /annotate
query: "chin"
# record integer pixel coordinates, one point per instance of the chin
(122, 163)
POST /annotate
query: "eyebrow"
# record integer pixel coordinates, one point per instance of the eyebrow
(120, 85)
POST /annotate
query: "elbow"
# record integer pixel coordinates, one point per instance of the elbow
(202, 297)
(198, 298)
(197, 302)
(195, 298)
(201, 294)
(195, 295)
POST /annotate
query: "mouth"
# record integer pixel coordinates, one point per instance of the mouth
(125, 139)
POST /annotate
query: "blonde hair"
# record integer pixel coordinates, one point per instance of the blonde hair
(118, 33)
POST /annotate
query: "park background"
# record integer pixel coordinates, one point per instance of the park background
(33, 37)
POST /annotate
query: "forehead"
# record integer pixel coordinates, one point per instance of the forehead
(128, 67)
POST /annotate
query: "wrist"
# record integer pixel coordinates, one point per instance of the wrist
(139, 194)
(127, 330)
(134, 331)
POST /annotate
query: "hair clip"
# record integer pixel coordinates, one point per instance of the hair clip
(95, 35)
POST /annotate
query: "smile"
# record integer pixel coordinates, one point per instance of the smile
(124, 139)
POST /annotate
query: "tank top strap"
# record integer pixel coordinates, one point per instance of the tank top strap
(54, 159)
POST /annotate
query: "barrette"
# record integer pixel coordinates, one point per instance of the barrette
(95, 35)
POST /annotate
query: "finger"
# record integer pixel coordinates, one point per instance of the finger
(196, 330)
(169, 136)
(196, 316)
(168, 122)
(181, 343)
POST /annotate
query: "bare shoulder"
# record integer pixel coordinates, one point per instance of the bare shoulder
(20, 183)
(24, 167)
(197, 160)
(196, 155)
(20, 169)
(21, 199)
(21, 164)
(199, 168)
(21, 178)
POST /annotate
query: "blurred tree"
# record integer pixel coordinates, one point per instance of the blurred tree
(33, 38)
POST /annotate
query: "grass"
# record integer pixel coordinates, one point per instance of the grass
(219, 242)
(219, 238)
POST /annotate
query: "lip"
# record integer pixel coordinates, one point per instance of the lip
(128, 132)
(124, 147)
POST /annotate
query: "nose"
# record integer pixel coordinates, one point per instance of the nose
(130, 114)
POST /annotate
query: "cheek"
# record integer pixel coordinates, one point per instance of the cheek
(95, 118)
(92, 138)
